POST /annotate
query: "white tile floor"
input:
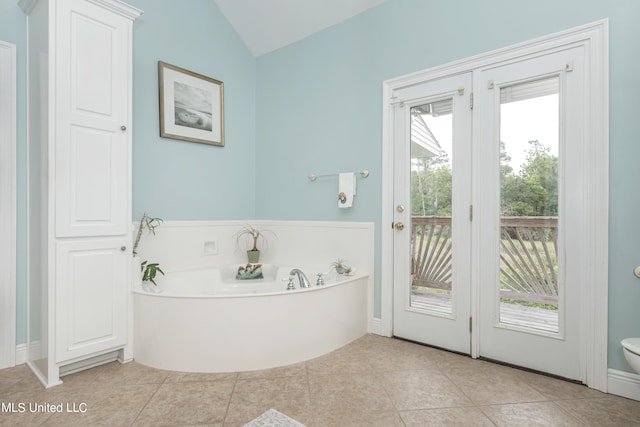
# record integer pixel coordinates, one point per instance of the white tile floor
(373, 381)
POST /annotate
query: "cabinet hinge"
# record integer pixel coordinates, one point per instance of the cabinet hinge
(471, 100)
(470, 324)
(470, 212)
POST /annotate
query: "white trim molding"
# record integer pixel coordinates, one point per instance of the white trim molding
(7, 205)
(21, 354)
(624, 384)
(378, 328)
(594, 38)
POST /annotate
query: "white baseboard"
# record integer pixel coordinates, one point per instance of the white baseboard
(378, 327)
(89, 363)
(623, 384)
(21, 353)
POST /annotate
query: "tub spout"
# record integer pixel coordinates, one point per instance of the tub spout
(304, 282)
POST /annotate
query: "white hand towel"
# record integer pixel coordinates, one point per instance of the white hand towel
(346, 189)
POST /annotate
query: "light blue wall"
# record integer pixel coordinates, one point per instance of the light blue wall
(13, 30)
(316, 106)
(319, 108)
(184, 180)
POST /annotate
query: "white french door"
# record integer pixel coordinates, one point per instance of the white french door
(487, 230)
(432, 195)
(530, 215)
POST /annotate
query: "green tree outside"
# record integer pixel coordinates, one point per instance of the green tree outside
(533, 191)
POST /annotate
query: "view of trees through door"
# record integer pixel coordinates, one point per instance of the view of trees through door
(529, 144)
(431, 206)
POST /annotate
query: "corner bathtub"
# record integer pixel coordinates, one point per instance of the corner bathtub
(206, 321)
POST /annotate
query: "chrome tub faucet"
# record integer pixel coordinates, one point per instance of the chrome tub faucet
(304, 282)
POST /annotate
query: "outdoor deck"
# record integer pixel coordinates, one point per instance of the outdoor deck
(528, 268)
(511, 314)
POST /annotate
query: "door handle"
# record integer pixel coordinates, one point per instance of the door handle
(398, 226)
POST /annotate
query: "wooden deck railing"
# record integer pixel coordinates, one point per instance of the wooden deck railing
(528, 260)
(431, 251)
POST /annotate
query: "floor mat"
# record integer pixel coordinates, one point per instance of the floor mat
(273, 418)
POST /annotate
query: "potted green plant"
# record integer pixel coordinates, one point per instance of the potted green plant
(143, 271)
(341, 267)
(148, 222)
(253, 234)
(150, 271)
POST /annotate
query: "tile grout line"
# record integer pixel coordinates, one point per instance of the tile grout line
(374, 371)
(578, 406)
(233, 390)
(148, 400)
(570, 414)
(311, 407)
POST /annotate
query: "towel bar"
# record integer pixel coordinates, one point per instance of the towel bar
(312, 177)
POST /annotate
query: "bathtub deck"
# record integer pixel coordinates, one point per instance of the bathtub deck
(512, 314)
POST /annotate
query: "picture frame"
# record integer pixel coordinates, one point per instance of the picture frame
(191, 106)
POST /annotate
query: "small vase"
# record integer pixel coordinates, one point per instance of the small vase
(253, 257)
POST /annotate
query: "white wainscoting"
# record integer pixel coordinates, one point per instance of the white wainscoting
(314, 245)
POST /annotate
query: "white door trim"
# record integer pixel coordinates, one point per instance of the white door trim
(7, 205)
(594, 37)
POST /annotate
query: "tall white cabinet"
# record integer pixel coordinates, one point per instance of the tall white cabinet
(79, 156)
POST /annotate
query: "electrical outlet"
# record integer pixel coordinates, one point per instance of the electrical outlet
(211, 247)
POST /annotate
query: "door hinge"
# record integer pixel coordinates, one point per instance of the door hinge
(471, 100)
(470, 324)
(470, 212)
(569, 66)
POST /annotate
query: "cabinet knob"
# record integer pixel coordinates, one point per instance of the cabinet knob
(123, 248)
(123, 127)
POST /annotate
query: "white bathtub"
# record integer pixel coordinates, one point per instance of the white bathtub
(206, 321)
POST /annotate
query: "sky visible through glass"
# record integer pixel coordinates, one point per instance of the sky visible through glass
(521, 121)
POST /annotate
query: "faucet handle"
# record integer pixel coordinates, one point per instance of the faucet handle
(319, 280)
(290, 286)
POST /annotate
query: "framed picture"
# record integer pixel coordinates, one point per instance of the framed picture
(191, 106)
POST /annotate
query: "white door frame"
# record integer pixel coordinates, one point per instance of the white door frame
(7, 205)
(594, 38)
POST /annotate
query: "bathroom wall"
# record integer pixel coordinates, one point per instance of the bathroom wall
(316, 106)
(184, 180)
(319, 108)
(13, 30)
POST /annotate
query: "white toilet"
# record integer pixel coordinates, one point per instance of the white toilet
(631, 349)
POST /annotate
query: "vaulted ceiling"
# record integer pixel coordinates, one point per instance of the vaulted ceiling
(266, 25)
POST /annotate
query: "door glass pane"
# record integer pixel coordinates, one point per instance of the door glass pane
(431, 191)
(529, 146)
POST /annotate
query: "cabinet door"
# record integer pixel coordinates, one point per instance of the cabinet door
(92, 142)
(91, 296)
